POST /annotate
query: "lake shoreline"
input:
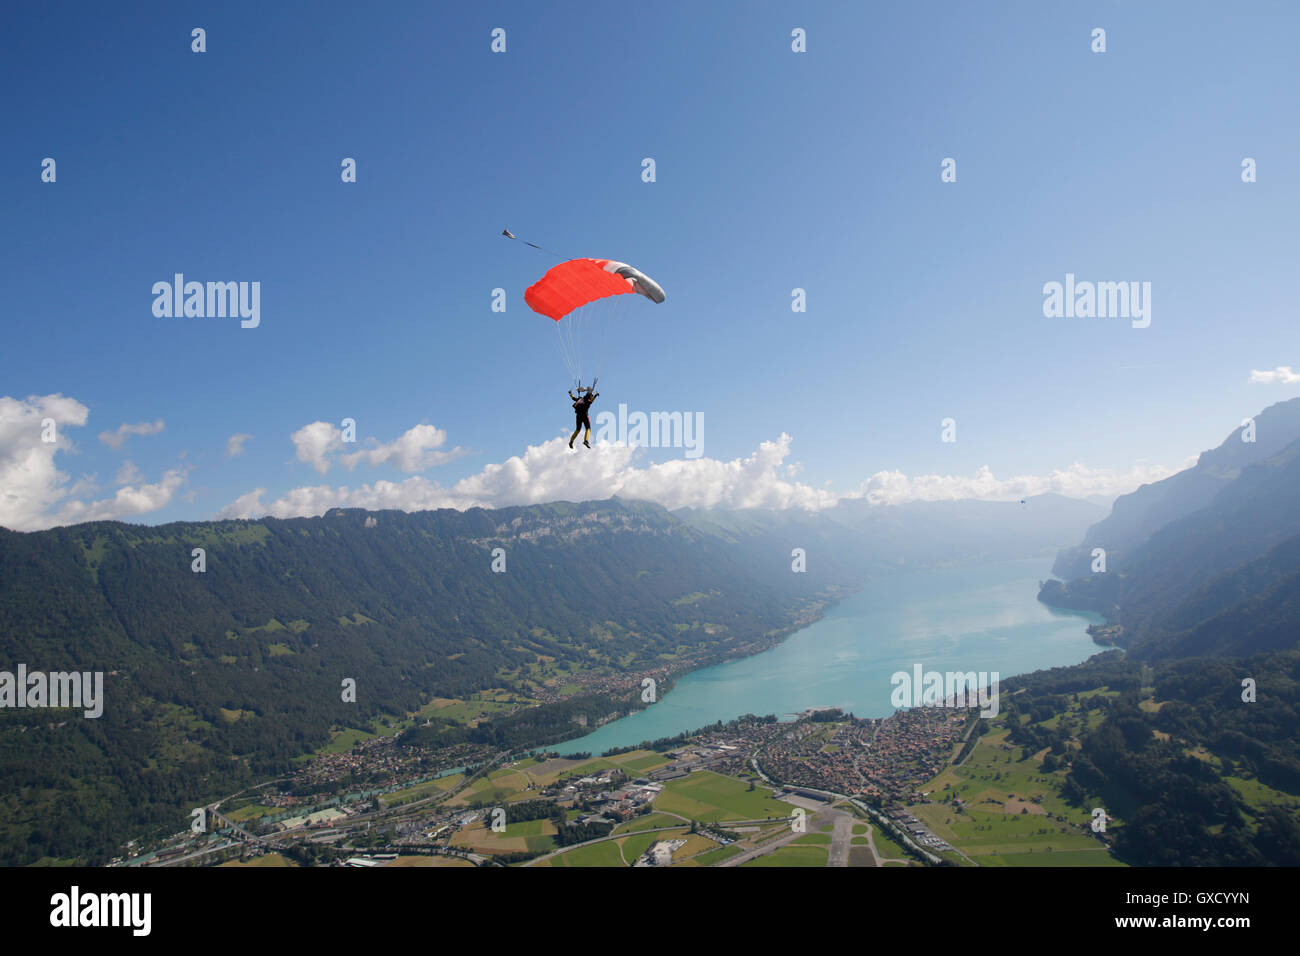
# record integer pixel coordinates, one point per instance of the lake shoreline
(973, 616)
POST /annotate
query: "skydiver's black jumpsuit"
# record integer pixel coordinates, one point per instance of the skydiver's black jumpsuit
(581, 407)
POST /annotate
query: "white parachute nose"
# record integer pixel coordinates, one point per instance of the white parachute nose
(639, 280)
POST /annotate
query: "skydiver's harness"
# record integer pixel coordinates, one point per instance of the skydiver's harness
(581, 407)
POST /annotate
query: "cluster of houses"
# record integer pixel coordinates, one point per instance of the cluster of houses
(909, 748)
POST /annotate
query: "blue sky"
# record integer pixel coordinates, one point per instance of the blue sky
(775, 170)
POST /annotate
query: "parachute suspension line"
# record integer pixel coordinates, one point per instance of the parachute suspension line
(574, 294)
(596, 337)
(575, 345)
(615, 311)
(568, 345)
(581, 316)
(559, 345)
(569, 337)
(584, 335)
(568, 349)
(576, 329)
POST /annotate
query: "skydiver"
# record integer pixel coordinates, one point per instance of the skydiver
(580, 408)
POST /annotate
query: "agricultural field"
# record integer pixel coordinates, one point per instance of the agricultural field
(1094, 857)
(500, 786)
(695, 844)
(813, 839)
(341, 741)
(791, 855)
(428, 860)
(421, 790)
(252, 812)
(535, 836)
(698, 850)
(1012, 810)
(714, 857)
(605, 853)
(1260, 795)
(634, 763)
(641, 761)
(649, 821)
(710, 798)
(886, 848)
(470, 712)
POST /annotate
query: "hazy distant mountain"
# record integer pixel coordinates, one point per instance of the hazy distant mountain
(1217, 580)
(1102, 501)
(1139, 514)
(856, 538)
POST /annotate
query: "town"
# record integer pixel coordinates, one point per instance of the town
(818, 786)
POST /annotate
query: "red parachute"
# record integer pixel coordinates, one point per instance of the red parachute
(579, 282)
(584, 296)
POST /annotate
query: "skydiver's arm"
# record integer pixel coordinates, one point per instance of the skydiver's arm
(571, 394)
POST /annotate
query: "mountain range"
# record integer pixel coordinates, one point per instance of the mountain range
(1203, 563)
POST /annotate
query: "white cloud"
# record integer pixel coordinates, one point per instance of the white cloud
(128, 474)
(30, 483)
(415, 450)
(1077, 481)
(35, 494)
(116, 439)
(132, 500)
(315, 442)
(1280, 375)
(235, 444)
(551, 472)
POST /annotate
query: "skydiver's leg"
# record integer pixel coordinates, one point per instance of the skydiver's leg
(586, 439)
(576, 429)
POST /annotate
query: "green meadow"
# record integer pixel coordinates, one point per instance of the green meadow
(1012, 812)
(710, 797)
(791, 855)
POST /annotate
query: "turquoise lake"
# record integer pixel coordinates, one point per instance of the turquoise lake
(981, 618)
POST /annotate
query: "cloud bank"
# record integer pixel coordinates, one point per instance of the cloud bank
(36, 494)
(551, 472)
(1282, 375)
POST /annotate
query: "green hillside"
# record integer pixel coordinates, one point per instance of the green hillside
(218, 678)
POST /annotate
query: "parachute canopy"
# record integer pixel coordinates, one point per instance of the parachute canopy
(575, 283)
